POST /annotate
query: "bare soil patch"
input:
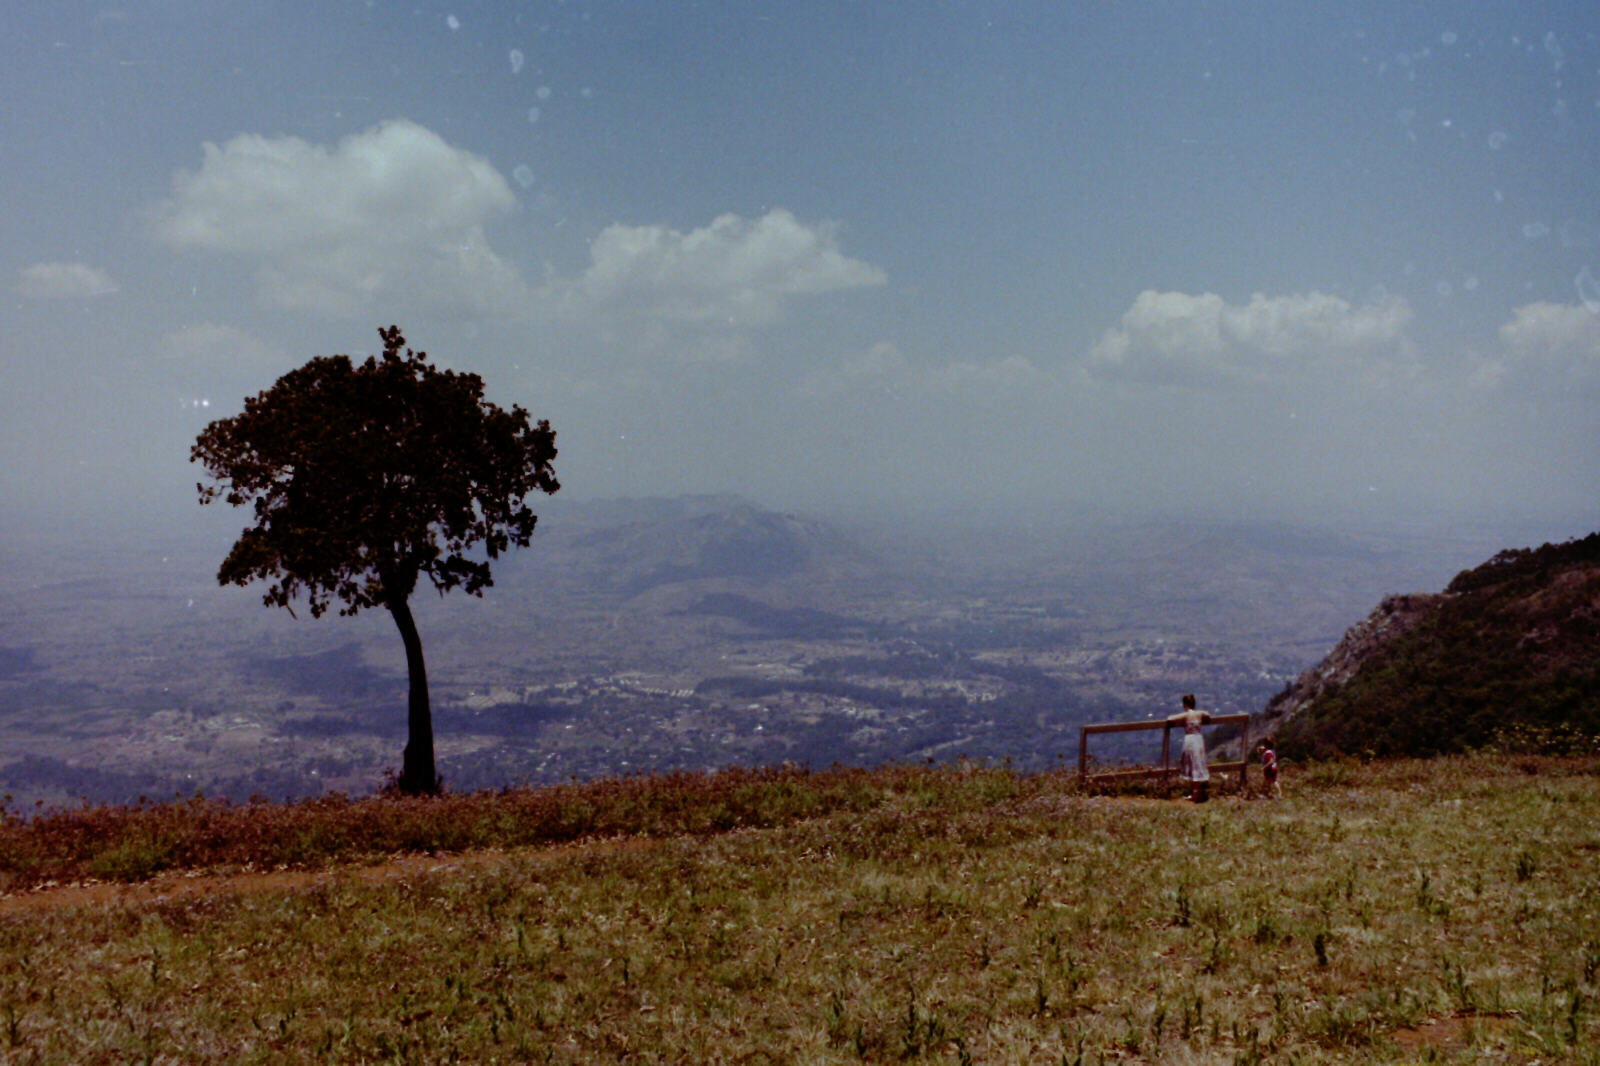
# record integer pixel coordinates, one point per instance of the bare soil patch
(1454, 1033)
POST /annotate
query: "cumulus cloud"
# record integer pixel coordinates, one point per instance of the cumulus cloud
(880, 361)
(211, 345)
(1175, 338)
(397, 214)
(392, 213)
(1553, 331)
(1008, 372)
(1558, 344)
(63, 281)
(883, 368)
(735, 272)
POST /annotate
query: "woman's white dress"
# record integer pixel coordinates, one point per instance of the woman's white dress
(1192, 762)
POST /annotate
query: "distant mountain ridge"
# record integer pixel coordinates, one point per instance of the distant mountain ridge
(630, 547)
(1508, 653)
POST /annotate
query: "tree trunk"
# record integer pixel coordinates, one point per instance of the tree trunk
(417, 774)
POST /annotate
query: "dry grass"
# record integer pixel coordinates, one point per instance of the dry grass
(136, 842)
(952, 915)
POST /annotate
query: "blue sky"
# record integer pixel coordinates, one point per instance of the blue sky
(1328, 262)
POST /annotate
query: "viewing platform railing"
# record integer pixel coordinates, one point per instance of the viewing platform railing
(1166, 769)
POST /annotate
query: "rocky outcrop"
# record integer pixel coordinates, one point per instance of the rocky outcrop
(1394, 617)
(1504, 657)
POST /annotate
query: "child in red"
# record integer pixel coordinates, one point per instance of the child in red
(1269, 769)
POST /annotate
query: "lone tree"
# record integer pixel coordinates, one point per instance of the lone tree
(364, 479)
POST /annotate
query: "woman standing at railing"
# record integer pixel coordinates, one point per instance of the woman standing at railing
(1192, 762)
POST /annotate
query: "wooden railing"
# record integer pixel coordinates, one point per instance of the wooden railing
(1166, 769)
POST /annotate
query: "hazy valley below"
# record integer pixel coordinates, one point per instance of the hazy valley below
(645, 635)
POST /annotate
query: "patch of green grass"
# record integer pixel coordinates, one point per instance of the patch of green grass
(928, 919)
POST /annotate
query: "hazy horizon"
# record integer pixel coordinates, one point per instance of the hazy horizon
(1011, 263)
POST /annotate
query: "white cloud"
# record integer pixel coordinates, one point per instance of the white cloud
(734, 272)
(396, 214)
(1547, 347)
(882, 368)
(881, 360)
(1561, 333)
(1009, 372)
(390, 214)
(210, 345)
(64, 281)
(1175, 338)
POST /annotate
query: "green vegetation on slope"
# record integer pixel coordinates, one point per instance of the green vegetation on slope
(1509, 654)
(960, 915)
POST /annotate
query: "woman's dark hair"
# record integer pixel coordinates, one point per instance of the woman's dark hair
(1188, 701)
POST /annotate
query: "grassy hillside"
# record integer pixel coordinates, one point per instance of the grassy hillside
(1509, 654)
(1399, 911)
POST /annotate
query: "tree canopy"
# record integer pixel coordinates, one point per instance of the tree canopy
(365, 479)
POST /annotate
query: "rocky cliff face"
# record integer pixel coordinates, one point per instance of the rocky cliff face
(1510, 649)
(1390, 620)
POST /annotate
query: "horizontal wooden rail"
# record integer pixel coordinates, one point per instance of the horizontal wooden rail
(1126, 727)
(1160, 723)
(1156, 771)
(1165, 769)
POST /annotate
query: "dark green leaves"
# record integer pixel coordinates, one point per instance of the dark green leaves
(363, 479)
